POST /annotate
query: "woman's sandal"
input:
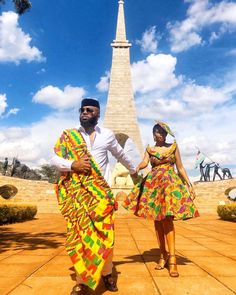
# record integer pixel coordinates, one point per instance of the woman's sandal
(162, 263)
(173, 272)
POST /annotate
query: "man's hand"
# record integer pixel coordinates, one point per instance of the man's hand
(83, 165)
(135, 177)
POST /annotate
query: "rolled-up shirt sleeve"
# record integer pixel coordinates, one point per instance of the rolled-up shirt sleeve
(61, 164)
(117, 151)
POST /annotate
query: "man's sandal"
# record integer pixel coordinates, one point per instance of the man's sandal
(110, 283)
(80, 290)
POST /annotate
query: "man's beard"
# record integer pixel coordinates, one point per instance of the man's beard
(89, 122)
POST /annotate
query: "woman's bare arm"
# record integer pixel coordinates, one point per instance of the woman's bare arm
(180, 167)
(182, 172)
(144, 162)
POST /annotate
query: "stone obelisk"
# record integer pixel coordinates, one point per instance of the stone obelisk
(120, 115)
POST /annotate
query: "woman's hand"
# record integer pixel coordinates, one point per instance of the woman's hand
(192, 192)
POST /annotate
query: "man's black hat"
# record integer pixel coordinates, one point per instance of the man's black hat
(90, 102)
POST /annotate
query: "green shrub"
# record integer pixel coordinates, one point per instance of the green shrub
(227, 212)
(16, 213)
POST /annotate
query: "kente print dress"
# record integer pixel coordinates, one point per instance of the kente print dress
(162, 192)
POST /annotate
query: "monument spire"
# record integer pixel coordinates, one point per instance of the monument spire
(120, 115)
(120, 28)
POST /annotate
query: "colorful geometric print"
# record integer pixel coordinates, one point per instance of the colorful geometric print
(87, 203)
(162, 192)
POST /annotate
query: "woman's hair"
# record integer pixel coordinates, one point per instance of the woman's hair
(158, 127)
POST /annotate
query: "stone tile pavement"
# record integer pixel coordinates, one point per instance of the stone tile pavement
(33, 259)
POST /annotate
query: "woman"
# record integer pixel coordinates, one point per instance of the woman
(163, 195)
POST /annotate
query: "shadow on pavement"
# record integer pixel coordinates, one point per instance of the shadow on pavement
(11, 239)
(151, 255)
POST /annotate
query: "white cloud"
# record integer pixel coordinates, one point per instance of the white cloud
(156, 72)
(13, 111)
(160, 93)
(33, 145)
(14, 43)
(3, 103)
(203, 97)
(59, 99)
(41, 71)
(103, 84)
(3, 107)
(200, 115)
(155, 108)
(202, 14)
(149, 41)
(188, 100)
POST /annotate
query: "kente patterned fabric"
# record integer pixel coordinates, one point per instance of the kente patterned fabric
(87, 203)
(162, 192)
(165, 127)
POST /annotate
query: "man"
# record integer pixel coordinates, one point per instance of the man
(5, 166)
(15, 164)
(85, 198)
(226, 172)
(199, 162)
(208, 169)
(216, 171)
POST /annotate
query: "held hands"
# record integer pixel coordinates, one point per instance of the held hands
(83, 165)
(135, 177)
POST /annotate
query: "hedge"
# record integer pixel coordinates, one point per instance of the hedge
(16, 213)
(227, 212)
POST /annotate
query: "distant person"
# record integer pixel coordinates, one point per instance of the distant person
(199, 162)
(85, 198)
(5, 166)
(202, 172)
(15, 164)
(163, 195)
(226, 172)
(208, 169)
(216, 171)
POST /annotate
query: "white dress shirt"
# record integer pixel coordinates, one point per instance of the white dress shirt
(104, 141)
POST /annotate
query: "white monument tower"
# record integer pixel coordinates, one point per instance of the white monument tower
(120, 115)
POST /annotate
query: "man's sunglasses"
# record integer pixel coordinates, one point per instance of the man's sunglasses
(88, 110)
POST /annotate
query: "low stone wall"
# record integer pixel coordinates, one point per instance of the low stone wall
(209, 194)
(42, 194)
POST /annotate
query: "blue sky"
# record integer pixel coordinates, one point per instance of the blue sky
(183, 66)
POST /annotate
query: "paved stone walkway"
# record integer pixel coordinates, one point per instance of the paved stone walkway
(33, 259)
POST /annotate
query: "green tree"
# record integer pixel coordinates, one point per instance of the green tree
(21, 6)
(50, 173)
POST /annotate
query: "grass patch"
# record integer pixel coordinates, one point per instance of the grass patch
(16, 213)
(227, 212)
